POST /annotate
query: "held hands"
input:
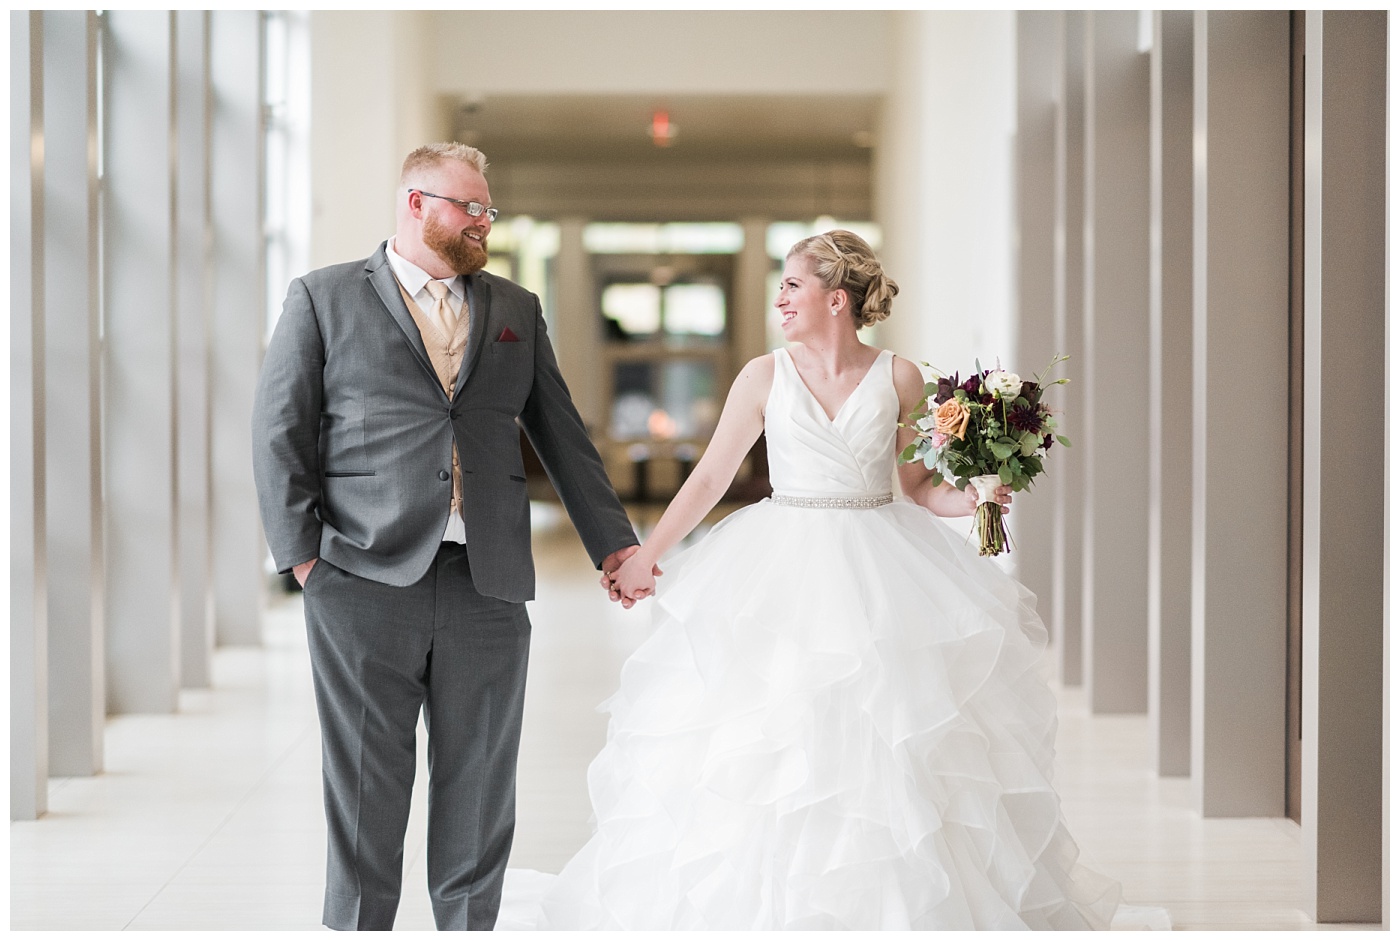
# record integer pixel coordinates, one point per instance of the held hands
(627, 578)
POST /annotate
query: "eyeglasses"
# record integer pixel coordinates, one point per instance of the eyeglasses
(470, 207)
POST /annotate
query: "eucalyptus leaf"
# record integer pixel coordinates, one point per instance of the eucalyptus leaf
(1004, 472)
(1062, 439)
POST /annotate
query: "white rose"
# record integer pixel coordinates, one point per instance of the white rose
(1003, 384)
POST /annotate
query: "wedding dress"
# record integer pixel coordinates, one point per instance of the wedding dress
(840, 720)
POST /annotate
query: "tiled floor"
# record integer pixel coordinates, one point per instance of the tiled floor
(211, 819)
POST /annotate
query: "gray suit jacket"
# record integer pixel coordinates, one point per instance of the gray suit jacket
(353, 433)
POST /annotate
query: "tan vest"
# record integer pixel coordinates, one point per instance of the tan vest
(446, 357)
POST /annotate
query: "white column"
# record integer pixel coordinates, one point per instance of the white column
(943, 186)
(577, 342)
(1344, 412)
(1037, 55)
(1114, 367)
(138, 242)
(1067, 473)
(1169, 398)
(749, 318)
(364, 81)
(29, 669)
(73, 424)
(193, 301)
(237, 323)
(1239, 483)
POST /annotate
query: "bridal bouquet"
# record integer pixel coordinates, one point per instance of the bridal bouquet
(987, 430)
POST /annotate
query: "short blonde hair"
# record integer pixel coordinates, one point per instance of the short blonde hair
(433, 155)
(842, 259)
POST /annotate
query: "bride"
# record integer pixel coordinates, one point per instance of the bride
(840, 719)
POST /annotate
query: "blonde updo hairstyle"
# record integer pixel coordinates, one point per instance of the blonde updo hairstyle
(842, 259)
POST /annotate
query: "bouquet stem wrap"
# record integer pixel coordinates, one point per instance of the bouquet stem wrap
(991, 530)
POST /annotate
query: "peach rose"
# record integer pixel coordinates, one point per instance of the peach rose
(951, 419)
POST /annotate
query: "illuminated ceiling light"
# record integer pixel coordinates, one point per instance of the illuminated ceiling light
(662, 130)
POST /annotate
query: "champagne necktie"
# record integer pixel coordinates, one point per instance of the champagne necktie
(442, 311)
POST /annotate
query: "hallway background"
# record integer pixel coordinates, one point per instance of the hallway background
(1193, 205)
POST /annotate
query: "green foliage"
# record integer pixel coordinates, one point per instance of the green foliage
(1003, 448)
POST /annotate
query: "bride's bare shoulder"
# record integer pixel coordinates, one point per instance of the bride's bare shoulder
(756, 378)
(759, 369)
(906, 374)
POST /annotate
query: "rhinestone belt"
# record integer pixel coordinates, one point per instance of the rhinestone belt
(879, 499)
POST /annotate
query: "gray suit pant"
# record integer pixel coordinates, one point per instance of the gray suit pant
(378, 655)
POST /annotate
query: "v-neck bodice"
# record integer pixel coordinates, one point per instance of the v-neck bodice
(852, 454)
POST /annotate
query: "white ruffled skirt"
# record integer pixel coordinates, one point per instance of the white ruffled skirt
(840, 721)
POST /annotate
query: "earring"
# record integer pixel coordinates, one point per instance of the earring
(835, 311)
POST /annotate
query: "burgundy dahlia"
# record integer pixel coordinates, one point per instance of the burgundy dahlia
(1024, 418)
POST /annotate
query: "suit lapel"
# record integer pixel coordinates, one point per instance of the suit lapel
(480, 325)
(381, 278)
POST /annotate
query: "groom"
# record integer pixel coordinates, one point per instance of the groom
(390, 480)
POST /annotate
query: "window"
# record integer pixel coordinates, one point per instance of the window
(287, 117)
(634, 311)
(523, 249)
(663, 238)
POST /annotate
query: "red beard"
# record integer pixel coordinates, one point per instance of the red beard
(461, 254)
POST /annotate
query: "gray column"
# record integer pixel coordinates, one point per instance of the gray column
(73, 426)
(193, 300)
(1239, 481)
(238, 321)
(1114, 367)
(1037, 54)
(29, 669)
(749, 318)
(1066, 476)
(1344, 412)
(578, 343)
(143, 641)
(1169, 398)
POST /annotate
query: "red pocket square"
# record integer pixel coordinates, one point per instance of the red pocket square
(507, 336)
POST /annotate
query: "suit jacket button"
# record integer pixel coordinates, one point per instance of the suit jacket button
(444, 475)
